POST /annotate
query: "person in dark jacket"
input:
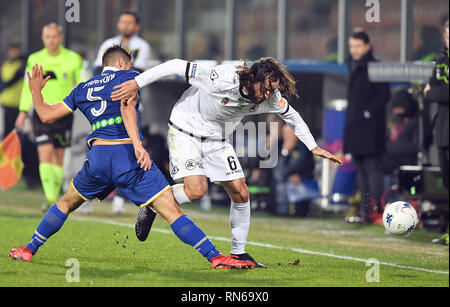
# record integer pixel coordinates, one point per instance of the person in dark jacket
(437, 92)
(403, 133)
(365, 127)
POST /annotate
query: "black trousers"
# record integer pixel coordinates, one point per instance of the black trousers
(370, 181)
(443, 162)
(9, 119)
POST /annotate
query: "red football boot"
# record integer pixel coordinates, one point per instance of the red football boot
(223, 262)
(21, 253)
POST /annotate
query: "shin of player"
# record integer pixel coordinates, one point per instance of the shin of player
(195, 187)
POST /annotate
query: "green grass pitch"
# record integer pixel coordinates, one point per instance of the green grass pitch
(298, 252)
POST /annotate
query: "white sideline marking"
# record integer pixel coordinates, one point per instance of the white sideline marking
(298, 250)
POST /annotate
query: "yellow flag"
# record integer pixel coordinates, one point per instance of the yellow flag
(11, 165)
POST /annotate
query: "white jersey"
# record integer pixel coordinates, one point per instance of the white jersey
(139, 49)
(216, 104)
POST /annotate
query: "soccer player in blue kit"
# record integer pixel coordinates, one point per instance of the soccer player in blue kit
(116, 158)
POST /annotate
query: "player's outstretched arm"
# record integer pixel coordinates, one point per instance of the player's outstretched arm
(47, 113)
(170, 68)
(129, 115)
(301, 130)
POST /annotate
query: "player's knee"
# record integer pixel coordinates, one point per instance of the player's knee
(70, 201)
(242, 196)
(195, 192)
(68, 205)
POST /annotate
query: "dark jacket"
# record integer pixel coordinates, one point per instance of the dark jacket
(365, 127)
(403, 133)
(439, 93)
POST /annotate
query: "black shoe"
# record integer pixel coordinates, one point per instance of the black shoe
(144, 222)
(247, 257)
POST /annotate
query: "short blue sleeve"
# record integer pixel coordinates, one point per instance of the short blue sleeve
(129, 75)
(70, 101)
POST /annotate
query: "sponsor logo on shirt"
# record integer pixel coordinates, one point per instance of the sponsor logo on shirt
(107, 122)
(225, 101)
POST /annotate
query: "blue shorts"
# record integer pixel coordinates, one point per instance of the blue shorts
(111, 166)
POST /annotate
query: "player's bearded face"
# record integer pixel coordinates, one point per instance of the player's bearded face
(261, 91)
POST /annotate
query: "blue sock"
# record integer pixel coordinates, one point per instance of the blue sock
(189, 233)
(52, 222)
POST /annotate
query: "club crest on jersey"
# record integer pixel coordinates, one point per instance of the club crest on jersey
(225, 101)
(190, 164)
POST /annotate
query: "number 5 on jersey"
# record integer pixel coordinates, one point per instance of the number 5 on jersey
(90, 97)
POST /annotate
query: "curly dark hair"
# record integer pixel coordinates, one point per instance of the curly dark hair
(267, 68)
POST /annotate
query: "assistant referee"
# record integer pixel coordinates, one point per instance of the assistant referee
(65, 67)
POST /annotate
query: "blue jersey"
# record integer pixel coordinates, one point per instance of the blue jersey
(93, 98)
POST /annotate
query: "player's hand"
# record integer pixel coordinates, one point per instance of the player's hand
(20, 121)
(427, 89)
(37, 81)
(325, 154)
(131, 101)
(143, 157)
(125, 91)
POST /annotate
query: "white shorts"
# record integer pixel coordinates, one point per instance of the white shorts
(214, 159)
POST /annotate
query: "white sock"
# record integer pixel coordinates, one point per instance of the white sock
(118, 204)
(178, 193)
(240, 225)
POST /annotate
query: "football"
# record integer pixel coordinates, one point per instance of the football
(400, 218)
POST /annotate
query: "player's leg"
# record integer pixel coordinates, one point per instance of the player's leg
(222, 165)
(239, 214)
(239, 218)
(51, 224)
(189, 233)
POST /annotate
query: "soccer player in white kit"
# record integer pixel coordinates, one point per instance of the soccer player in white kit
(219, 98)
